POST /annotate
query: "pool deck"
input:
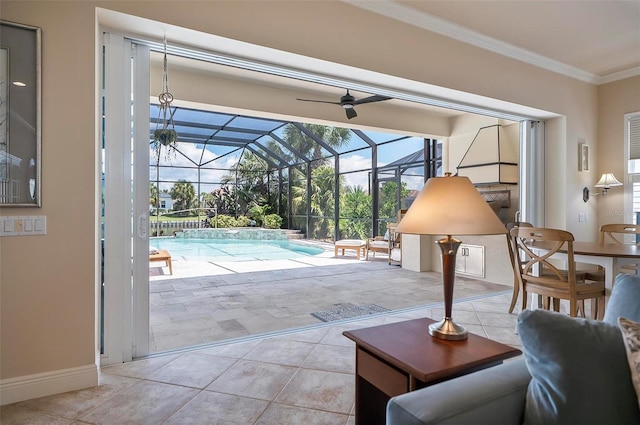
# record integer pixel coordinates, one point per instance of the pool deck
(207, 302)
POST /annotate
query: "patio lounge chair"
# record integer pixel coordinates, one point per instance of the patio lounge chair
(378, 244)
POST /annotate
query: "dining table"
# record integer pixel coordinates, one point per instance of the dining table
(611, 256)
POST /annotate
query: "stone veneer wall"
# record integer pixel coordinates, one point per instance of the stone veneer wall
(244, 233)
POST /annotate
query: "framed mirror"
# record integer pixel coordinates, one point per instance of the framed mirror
(20, 139)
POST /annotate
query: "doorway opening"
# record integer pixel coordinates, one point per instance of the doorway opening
(307, 222)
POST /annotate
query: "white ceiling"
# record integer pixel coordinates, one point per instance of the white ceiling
(592, 40)
(596, 41)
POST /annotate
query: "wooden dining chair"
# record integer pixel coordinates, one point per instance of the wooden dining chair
(516, 262)
(619, 233)
(539, 275)
(515, 257)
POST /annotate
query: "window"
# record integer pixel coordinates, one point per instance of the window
(632, 142)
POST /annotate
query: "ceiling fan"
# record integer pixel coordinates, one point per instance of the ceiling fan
(348, 102)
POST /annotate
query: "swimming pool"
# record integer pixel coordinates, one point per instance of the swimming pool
(215, 250)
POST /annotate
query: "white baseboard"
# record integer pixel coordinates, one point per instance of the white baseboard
(27, 387)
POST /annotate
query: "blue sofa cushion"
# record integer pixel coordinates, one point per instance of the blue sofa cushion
(579, 371)
(624, 300)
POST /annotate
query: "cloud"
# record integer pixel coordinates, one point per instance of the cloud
(356, 162)
(178, 167)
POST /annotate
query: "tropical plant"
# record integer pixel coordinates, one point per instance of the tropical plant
(226, 221)
(251, 178)
(183, 195)
(355, 213)
(222, 221)
(322, 201)
(258, 212)
(272, 221)
(221, 201)
(243, 221)
(255, 184)
(388, 198)
(335, 137)
(154, 196)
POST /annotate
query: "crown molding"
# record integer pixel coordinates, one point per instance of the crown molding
(409, 15)
(621, 75)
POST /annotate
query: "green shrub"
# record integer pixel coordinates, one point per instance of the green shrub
(223, 221)
(226, 221)
(242, 221)
(272, 221)
(258, 213)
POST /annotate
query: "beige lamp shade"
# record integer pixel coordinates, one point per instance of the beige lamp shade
(607, 180)
(450, 206)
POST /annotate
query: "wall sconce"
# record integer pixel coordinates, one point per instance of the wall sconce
(607, 181)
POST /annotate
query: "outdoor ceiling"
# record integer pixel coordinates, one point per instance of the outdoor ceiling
(303, 88)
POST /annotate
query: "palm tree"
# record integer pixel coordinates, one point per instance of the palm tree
(248, 181)
(221, 201)
(335, 137)
(322, 201)
(388, 201)
(355, 213)
(154, 196)
(184, 196)
(250, 176)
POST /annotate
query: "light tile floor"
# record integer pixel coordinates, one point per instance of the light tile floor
(264, 375)
(297, 377)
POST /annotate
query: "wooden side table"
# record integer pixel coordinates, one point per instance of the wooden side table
(400, 357)
(163, 256)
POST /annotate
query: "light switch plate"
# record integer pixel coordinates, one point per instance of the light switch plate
(23, 225)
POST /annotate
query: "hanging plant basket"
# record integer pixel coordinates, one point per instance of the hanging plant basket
(165, 133)
(165, 136)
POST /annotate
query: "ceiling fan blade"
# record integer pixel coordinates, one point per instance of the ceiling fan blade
(351, 113)
(318, 101)
(376, 98)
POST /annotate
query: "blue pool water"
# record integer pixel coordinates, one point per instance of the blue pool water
(232, 250)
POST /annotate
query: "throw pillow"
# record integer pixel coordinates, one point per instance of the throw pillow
(631, 336)
(579, 371)
(623, 301)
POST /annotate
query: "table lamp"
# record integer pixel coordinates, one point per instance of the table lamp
(450, 206)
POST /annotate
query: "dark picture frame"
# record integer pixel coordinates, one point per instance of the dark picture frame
(20, 115)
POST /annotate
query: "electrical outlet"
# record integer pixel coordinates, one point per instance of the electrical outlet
(582, 217)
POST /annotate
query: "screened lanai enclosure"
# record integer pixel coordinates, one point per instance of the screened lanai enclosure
(328, 182)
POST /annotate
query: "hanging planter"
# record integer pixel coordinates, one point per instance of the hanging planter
(165, 136)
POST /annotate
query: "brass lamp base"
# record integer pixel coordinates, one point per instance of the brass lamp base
(446, 329)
